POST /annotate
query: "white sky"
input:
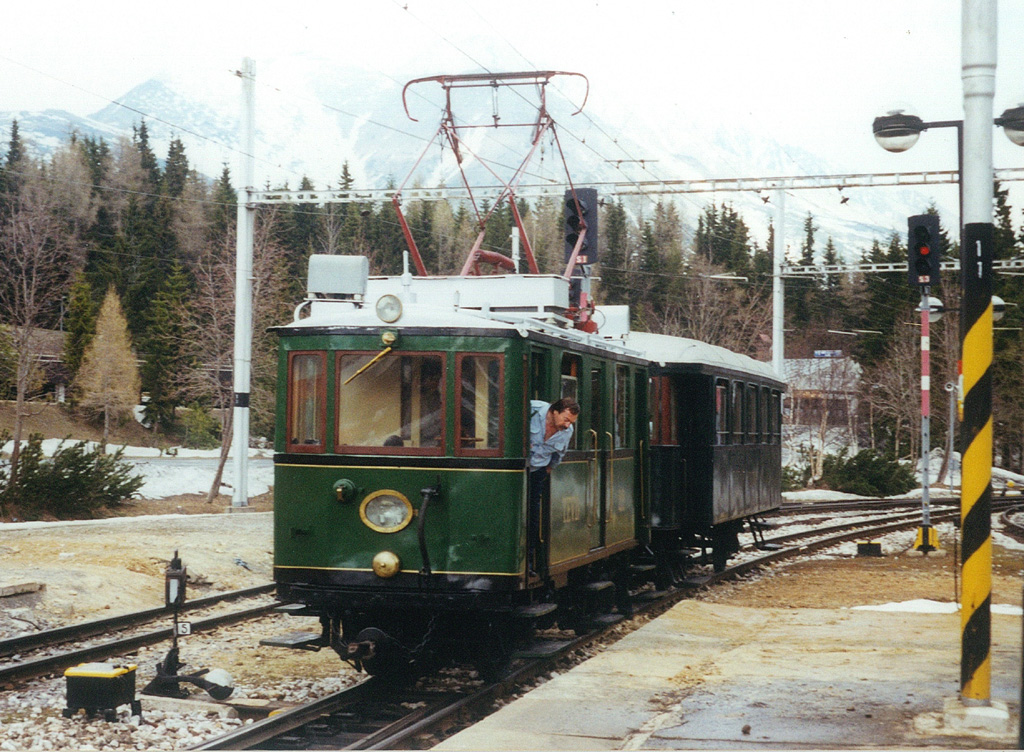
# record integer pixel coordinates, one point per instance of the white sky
(809, 72)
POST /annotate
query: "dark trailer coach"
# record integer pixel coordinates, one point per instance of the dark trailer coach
(716, 448)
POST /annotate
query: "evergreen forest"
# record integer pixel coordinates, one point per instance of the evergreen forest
(98, 219)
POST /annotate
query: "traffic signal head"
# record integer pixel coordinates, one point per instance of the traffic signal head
(581, 211)
(923, 249)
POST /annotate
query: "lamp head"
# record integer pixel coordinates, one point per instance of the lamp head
(1012, 121)
(897, 131)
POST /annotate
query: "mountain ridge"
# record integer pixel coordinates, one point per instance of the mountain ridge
(312, 118)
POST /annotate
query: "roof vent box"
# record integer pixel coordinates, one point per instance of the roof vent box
(342, 276)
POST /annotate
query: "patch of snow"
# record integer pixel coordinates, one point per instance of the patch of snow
(820, 495)
(924, 606)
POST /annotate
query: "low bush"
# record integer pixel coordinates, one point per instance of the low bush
(867, 473)
(795, 479)
(75, 482)
(202, 430)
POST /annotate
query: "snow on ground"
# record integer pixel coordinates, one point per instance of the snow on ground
(922, 606)
(182, 471)
(169, 476)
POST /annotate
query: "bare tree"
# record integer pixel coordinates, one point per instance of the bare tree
(892, 389)
(209, 321)
(108, 379)
(39, 253)
(719, 311)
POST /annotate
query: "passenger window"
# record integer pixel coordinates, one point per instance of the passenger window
(481, 413)
(762, 412)
(392, 404)
(663, 414)
(621, 407)
(722, 411)
(307, 405)
(737, 413)
(751, 408)
(776, 418)
(570, 387)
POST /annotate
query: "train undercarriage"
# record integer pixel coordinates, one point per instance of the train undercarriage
(408, 633)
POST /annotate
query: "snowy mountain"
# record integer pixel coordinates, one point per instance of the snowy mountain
(313, 116)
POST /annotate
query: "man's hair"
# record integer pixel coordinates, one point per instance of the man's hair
(566, 403)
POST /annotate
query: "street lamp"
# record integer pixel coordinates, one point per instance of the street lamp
(897, 131)
(1012, 123)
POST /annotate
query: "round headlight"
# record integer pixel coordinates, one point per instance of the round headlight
(386, 511)
(389, 309)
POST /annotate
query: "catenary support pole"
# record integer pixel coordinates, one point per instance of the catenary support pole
(778, 291)
(243, 290)
(925, 538)
(978, 74)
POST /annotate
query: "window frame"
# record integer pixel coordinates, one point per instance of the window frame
(751, 410)
(465, 451)
(290, 404)
(439, 450)
(622, 435)
(723, 412)
(737, 413)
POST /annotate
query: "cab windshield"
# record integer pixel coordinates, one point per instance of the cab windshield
(391, 404)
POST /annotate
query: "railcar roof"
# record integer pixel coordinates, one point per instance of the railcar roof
(664, 350)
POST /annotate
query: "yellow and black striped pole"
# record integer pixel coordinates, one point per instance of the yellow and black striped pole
(976, 484)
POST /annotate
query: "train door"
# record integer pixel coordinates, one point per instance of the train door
(621, 463)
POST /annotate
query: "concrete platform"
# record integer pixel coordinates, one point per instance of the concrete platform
(713, 676)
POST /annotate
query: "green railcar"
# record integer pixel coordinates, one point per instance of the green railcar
(400, 463)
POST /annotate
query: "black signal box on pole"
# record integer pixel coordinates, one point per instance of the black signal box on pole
(581, 211)
(923, 249)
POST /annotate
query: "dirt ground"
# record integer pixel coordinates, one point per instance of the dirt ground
(863, 581)
(56, 422)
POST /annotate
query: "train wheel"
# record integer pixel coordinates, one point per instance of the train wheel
(623, 598)
(387, 657)
(493, 654)
(719, 558)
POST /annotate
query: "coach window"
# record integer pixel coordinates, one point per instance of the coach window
(572, 367)
(722, 411)
(392, 404)
(764, 427)
(776, 413)
(664, 426)
(479, 380)
(621, 407)
(307, 401)
(751, 413)
(737, 415)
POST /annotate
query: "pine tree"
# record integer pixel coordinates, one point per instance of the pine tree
(10, 177)
(614, 255)
(223, 211)
(80, 324)
(165, 350)
(176, 169)
(149, 162)
(108, 379)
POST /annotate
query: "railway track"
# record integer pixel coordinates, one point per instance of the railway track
(801, 507)
(367, 715)
(1011, 526)
(21, 670)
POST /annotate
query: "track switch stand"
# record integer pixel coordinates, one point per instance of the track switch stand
(168, 679)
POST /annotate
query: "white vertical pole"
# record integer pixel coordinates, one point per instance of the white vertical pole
(515, 249)
(778, 297)
(243, 289)
(979, 83)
